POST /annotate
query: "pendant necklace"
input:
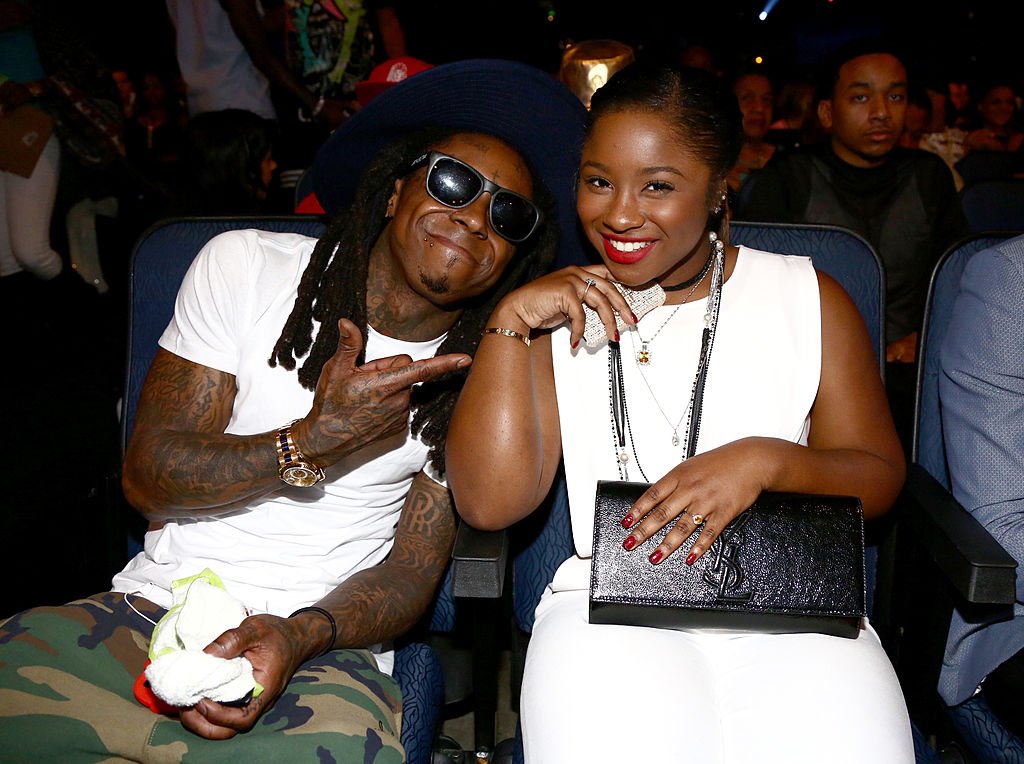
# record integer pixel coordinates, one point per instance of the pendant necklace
(617, 392)
(643, 355)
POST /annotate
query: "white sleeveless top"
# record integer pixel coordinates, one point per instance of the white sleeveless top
(762, 381)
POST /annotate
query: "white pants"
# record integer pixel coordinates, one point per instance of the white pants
(26, 206)
(596, 693)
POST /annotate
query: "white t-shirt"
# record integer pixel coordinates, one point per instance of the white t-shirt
(293, 546)
(217, 69)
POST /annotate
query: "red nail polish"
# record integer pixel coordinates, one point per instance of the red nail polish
(627, 521)
(691, 558)
(576, 344)
(629, 543)
(655, 557)
(616, 335)
(635, 319)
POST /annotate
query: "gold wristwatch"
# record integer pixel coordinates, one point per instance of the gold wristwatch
(294, 468)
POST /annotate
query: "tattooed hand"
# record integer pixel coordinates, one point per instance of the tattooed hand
(358, 405)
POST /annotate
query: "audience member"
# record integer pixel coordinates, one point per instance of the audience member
(27, 197)
(383, 77)
(756, 95)
(228, 164)
(997, 119)
(981, 384)
(917, 118)
(79, 92)
(368, 331)
(651, 201)
(126, 89)
(959, 103)
(217, 68)
(903, 202)
(947, 142)
(701, 55)
(387, 75)
(330, 51)
(796, 123)
(155, 135)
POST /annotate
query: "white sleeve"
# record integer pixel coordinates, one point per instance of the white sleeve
(211, 303)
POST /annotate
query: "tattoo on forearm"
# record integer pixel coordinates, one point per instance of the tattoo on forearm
(386, 601)
(188, 462)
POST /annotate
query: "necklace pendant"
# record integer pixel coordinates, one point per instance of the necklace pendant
(643, 356)
(623, 457)
(675, 438)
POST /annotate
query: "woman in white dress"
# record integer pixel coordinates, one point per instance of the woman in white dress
(792, 401)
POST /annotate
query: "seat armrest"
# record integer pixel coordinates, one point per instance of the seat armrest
(973, 562)
(479, 560)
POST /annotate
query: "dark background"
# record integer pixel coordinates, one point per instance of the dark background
(60, 508)
(958, 35)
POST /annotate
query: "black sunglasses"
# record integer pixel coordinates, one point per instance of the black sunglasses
(456, 184)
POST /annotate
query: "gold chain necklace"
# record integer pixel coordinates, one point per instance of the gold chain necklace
(643, 355)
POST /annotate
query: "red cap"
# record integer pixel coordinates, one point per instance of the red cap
(391, 72)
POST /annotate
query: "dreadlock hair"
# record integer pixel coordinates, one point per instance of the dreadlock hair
(334, 285)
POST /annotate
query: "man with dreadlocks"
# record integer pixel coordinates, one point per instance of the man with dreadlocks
(289, 447)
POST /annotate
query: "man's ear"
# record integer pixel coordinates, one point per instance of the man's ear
(825, 113)
(393, 199)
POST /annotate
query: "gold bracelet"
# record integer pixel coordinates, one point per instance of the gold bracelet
(508, 333)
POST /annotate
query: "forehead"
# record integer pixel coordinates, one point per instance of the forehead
(492, 158)
(753, 82)
(874, 69)
(999, 93)
(638, 141)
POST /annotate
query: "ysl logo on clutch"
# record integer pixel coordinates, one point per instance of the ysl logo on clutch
(725, 574)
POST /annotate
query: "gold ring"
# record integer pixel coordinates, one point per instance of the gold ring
(698, 519)
(589, 283)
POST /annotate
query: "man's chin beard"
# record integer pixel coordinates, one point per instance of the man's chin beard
(437, 286)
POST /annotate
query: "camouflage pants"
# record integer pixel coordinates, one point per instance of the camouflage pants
(66, 676)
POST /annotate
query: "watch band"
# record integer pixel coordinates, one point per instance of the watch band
(293, 467)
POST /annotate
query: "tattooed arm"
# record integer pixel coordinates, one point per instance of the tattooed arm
(384, 602)
(375, 605)
(180, 463)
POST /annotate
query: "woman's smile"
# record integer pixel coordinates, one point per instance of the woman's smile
(626, 251)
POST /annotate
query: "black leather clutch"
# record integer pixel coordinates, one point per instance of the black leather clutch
(790, 563)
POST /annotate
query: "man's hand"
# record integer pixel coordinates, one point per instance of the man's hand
(358, 405)
(903, 350)
(275, 649)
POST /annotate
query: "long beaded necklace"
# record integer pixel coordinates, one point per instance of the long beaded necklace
(620, 423)
(643, 355)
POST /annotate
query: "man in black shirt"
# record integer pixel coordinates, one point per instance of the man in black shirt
(903, 201)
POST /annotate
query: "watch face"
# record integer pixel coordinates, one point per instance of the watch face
(300, 475)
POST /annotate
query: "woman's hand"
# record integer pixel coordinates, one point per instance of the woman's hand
(705, 492)
(558, 297)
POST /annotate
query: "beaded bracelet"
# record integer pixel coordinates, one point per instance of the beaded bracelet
(508, 333)
(330, 619)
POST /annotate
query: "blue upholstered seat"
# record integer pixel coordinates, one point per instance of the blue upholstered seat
(991, 205)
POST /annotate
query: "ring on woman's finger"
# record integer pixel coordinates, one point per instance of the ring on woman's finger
(698, 519)
(589, 283)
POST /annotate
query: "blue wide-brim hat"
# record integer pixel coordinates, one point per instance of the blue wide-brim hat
(519, 103)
